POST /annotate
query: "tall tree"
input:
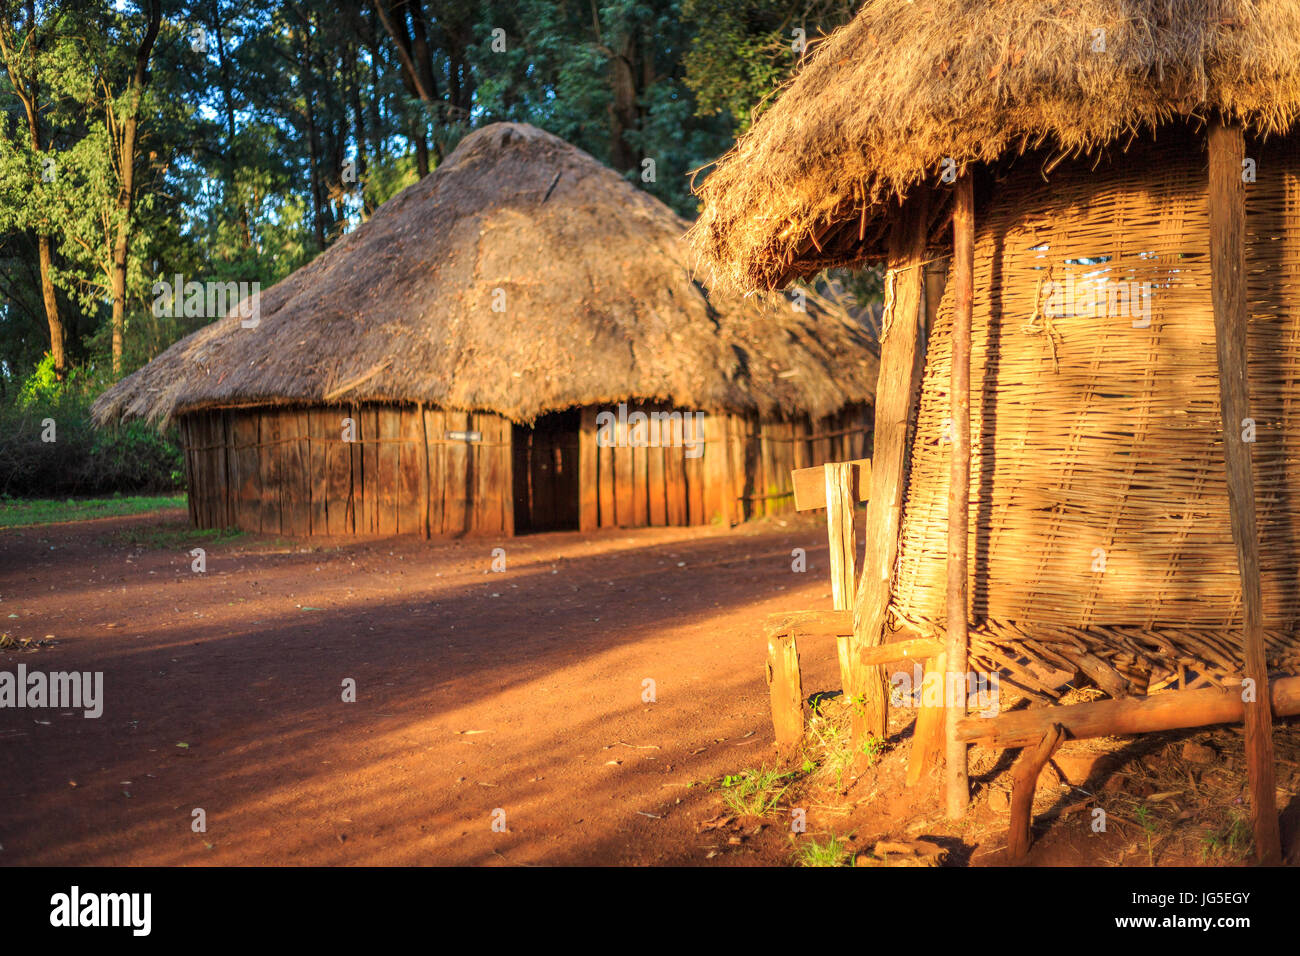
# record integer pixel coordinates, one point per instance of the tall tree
(22, 63)
(124, 135)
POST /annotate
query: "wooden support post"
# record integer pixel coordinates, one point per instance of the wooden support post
(785, 687)
(931, 718)
(1024, 781)
(1228, 289)
(896, 393)
(957, 786)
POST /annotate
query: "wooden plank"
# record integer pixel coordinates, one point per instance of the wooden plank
(737, 430)
(269, 437)
(605, 482)
(488, 507)
(588, 473)
(318, 450)
(896, 391)
(298, 474)
(675, 475)
(338, 463)
(767, 469)
(1024, 781)
(459, 477)
(810, 484)
(356, 458)
(715, 471)
(410, 468)
(248, 494)
(221, 489)
(785, 689)
(623, 491)
(388, 479)
(421, 433)
(656, 479)
(641, 479)
(435, 424)
(838, 492)
(1169, 710)
(506, 475)
(692, 437)
(368, 427)
(956, 783)
(931, 718)
(1228, 289)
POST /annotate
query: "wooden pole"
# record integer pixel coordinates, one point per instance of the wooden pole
(1171, 710)
(785, 688)
(1228, 289)
(896, 393)
(957, 786)
(931, 719)
(1024, 782)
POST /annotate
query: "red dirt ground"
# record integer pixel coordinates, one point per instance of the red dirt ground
(519, 690)
(476, 691)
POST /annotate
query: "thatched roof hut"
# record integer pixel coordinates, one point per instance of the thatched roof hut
(509, 296)
(884, 103)
(1117, 186)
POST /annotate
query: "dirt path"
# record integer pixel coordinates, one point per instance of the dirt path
(476, 691)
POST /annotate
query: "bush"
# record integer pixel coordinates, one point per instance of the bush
(82, 459)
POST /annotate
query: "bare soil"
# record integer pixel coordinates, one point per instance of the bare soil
(516, 697)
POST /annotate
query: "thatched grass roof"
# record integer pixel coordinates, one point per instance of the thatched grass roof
(881, 103)
(600, 306)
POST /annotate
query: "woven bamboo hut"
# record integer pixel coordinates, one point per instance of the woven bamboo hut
(453, 366)
(1109, 371)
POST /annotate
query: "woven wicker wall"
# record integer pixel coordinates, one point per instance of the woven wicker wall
(1091, 437)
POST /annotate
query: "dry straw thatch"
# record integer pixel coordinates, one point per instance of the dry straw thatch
(600, 306)
(881, 103)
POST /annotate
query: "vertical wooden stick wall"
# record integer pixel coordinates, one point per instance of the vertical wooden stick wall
(957, 787)
(1228, 289)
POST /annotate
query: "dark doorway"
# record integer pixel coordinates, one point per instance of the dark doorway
(546, 473)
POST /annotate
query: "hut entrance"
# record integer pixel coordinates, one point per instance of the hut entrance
(546, 473)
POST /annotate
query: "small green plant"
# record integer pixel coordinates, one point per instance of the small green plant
(872, 748)
(1147, 820)
(754, 792)
(831, 853)
(1231, 841)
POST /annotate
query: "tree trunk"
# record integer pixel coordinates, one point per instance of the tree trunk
(126, 191)
(29, 93)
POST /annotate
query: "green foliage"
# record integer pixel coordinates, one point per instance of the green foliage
(81, 459)
(742, 51)
(15, 513)
(834, 852)
(754, 792)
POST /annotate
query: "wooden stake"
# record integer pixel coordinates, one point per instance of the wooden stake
(957, 785)
(839, 531)
(896, 395)
(1228, 289)
(931, 717)
(1024, 781)
(785, 687)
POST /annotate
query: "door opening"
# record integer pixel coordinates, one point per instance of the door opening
(546, 473)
